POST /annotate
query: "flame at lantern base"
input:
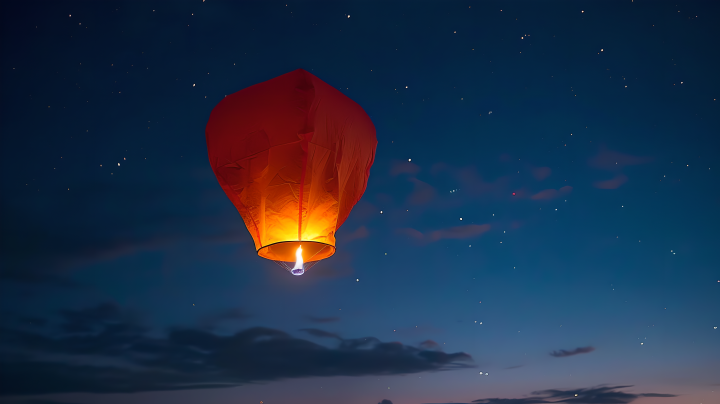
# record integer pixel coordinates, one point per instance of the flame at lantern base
(290, 267)
(297, 268)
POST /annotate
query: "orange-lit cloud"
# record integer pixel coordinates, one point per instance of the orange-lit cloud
(613, 183)
(551, 193)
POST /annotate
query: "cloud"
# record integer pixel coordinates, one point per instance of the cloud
(529, 400)
(563, 353)
(549, 194)
(429, 344)
(361, 232)
(613, 183)
(459, 232)
(40, 244)
(614, 161)
(422, 193)
(541, 173)
(90, 320)
(322, 319)
(42, 401)
(456, 233)
(593, 395)
(320, 333)
(103, 350)
(404, 167)
(410, 232)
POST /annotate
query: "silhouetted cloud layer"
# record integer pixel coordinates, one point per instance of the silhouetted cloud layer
(103, 350)
(41, 401)
(592, 395)
(320, 333)
(563, 353)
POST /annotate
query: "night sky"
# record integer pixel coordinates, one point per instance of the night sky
(540, 224)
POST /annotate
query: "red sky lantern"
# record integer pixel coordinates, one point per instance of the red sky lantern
(293, 154)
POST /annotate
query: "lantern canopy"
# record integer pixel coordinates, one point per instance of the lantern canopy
(293, 154)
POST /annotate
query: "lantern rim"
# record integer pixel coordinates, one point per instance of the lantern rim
(285, 250)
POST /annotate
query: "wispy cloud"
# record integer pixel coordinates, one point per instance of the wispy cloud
(42, 245)
(422, 192)
(470, 181)
(456, 232)
(613, 161)
(563, 353)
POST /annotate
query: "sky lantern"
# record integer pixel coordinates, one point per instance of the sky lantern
(293, 154)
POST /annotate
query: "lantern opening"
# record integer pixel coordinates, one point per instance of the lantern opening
(287, 251)
(297, 256)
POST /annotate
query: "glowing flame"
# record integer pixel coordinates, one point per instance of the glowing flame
(299, 267)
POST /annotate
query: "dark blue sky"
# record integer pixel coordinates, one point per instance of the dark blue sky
(128, 276)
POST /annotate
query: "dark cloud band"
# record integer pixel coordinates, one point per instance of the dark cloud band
(105, 351)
